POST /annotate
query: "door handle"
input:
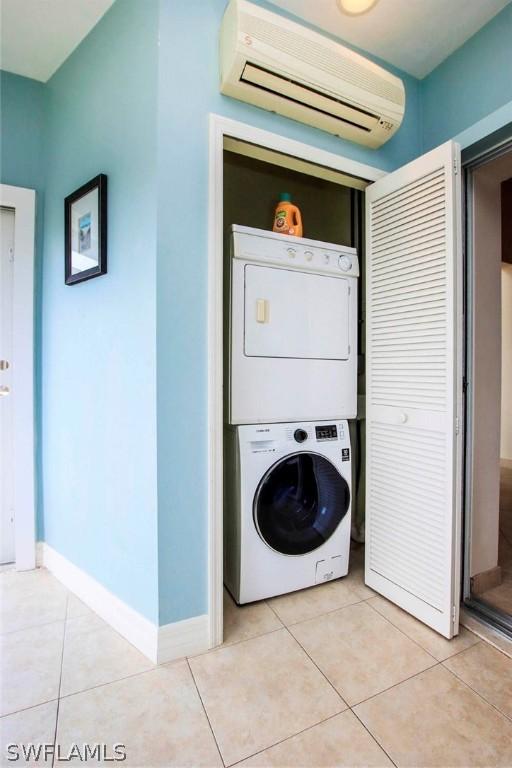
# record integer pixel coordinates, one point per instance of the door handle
(403, 418)
(4, 365)
(4, 391)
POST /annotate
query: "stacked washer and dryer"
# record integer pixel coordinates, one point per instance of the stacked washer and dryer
(291, 386)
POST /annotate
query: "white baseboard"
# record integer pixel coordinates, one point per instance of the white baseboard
(159, 644)
(183, 638)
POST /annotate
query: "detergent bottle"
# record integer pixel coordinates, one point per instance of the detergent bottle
(287, 218)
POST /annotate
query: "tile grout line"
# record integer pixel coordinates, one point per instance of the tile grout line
(399, 629)
(395, 685)
(27, 709)
(205, 712)
(60, 681)
(463, 650)
(287, 738)
(347, 705)
(93, 687)
(447, 658)
(319, 615)
(481, 696)
(116, 680)
(381, 746)
(31, 626)
(225, 645)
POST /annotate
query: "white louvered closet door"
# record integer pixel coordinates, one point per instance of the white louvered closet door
(414, 387)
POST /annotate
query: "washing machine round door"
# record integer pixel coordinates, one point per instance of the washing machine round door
(299, 503)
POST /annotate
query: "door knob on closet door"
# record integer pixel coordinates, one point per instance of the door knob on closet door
(403, 418)
(4, 365)
(4, 391)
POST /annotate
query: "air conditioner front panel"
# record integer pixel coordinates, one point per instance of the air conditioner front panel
(274, 63)
(234, 86)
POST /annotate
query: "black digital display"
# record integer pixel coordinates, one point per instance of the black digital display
(327, 433)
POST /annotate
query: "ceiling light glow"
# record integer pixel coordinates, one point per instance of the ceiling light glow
(356, 7)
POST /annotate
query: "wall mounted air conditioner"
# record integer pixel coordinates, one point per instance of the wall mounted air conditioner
(282, 66)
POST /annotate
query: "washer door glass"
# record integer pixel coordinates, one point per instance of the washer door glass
(299, 503)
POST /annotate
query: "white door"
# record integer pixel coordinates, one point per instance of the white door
(414, 387)
(7, 553)
(295, 314)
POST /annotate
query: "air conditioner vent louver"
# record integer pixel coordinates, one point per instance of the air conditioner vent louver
(319, 56)
(308, 97)
(284, 67)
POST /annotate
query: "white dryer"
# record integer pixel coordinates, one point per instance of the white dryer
(292, 329)
(287, 507)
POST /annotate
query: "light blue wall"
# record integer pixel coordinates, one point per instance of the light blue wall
(471, 84)
(21, 131)
(98, 393)
(188, 91)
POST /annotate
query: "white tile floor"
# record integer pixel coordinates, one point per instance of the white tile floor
(332, 676)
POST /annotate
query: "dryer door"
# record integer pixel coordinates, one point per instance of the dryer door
(299, 503)
(295, 314)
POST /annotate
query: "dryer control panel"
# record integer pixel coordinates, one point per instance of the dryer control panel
(261, 246)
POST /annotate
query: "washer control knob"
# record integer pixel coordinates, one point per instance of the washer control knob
(308, 255)
(291, 252)
(327, 258)
(345, 263)
(300, 435)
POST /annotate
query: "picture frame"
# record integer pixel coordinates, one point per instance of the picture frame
(85, 231)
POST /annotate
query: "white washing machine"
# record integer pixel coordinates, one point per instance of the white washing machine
(287, 507)
(292, 329)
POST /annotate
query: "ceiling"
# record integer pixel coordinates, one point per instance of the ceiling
(414, 35)
(38, 35)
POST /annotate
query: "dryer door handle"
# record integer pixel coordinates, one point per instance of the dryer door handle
(262, 311)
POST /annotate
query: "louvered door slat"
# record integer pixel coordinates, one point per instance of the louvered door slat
(413, 191)
(394, 270)
(413, 388)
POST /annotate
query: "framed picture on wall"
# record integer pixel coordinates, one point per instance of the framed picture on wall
(85, 231)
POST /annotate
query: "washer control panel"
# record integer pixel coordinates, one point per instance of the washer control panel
(297, 436)
(326, 432)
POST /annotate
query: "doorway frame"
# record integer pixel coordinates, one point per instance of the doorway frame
(23, 202)
(220, 127)
(474, 156)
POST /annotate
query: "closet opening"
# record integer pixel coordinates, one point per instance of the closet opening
(332, 208)
(488, 388)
